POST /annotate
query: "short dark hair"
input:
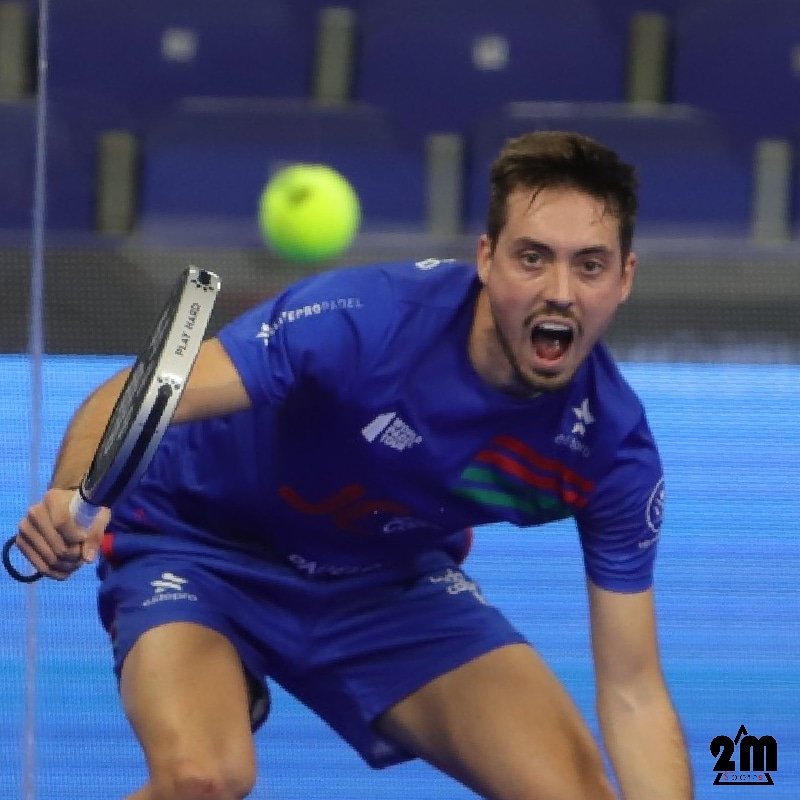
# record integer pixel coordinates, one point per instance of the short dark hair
(551, 159)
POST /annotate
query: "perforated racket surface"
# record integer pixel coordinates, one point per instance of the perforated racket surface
(146, 403)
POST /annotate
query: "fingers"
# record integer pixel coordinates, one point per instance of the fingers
(50, 539)
(59, 562)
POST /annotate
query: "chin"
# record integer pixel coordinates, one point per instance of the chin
(551, 384)
(542, 381)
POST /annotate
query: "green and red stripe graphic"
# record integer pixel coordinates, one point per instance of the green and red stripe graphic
(512, 475)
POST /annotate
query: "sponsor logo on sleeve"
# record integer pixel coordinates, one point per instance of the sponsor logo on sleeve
(269, 329)
(654, 514)
(431, 263)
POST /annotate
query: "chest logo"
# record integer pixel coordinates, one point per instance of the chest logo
(583, 418)
(389, 429)
(349, 509)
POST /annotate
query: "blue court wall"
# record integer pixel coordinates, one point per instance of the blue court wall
(727, 589)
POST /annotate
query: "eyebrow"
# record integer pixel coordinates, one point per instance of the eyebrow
(591, 250)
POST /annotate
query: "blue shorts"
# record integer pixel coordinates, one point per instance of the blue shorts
(348, 647)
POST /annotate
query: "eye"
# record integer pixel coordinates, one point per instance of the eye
(593, 267)
(530, 258)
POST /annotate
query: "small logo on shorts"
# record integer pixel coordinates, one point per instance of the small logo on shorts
(457, 582)
(169, 587)
(167, 581)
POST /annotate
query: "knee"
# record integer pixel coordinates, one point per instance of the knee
(206, 780)
(576, 783)
(586, 777)
(574, 772)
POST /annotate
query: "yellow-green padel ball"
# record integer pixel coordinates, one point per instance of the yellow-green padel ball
(309, 212)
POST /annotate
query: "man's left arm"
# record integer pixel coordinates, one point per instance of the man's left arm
(640, 728)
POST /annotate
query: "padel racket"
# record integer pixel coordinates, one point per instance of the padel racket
(146, 403)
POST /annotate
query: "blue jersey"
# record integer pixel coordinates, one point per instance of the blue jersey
(371, 438)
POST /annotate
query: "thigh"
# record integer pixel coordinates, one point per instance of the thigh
(375, 640)
(185, 693)
(503, 725)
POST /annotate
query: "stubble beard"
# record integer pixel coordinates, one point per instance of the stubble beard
(526, 384)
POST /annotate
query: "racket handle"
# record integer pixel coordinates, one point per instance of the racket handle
(82, 511)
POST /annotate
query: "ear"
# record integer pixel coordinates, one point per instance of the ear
(483, 258)
(628, 271)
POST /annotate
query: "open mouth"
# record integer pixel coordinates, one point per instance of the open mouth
(551, 340)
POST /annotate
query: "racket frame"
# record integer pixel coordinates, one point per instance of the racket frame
(146, 403)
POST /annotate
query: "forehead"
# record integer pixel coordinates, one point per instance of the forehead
(561, 212)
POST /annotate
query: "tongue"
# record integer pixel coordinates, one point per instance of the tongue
(548, 348)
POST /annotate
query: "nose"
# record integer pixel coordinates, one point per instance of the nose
(562, 306)
(559, 293)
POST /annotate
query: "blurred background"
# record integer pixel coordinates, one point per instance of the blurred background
(136, 138)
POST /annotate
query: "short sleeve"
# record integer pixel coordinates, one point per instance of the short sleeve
(621, 524)
(321, 331)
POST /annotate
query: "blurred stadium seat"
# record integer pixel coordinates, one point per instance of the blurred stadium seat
(741, 60)
(69, 188)
(122, 66)
(208, 161)
(17, 148)
(693, 179)
(132, 60)
(437, 65)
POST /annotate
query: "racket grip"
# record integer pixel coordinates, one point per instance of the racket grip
(82, 511)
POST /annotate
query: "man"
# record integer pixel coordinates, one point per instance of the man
(308, 519)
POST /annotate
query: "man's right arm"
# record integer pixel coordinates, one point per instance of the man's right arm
(47, 535)
(83, 433)
(214, 389)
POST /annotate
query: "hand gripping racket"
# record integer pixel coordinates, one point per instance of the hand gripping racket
(146, 403)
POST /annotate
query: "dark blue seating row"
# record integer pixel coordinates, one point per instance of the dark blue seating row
(433, 65)
(741, 60)
(437, 66)
(70, 164)
(693, 176)
(484, 70)
(209, 159)
(127, 63)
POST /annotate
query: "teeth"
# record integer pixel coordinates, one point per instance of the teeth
(556, 327)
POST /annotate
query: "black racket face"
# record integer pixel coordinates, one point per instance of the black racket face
(130, 399)
(152, 389)
(125, 411)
